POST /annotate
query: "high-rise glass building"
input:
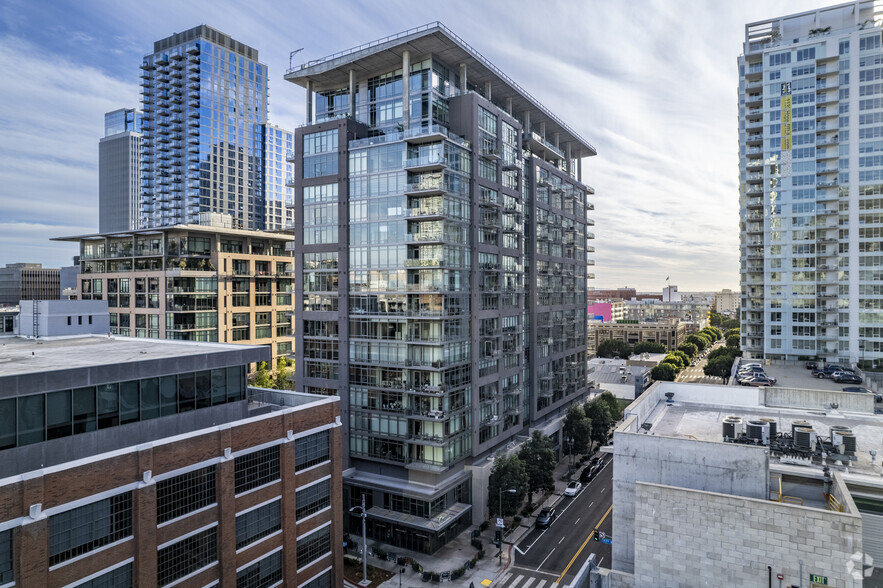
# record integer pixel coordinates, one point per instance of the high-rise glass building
(119, 171)
(204, 103)
(442, 249)
(811, 163)
(278, 180)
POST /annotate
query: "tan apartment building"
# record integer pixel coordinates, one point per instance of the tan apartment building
(670, 333)
(192, 283)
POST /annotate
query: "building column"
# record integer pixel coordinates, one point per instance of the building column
(509, 106)
(352, 94)
(543, 130)
(579, 170)
(406, 90)
(144, 517)
(556, 137)
(487, 90)
(309, 102)
(567, 153)
(225, 484)
(526, 120)
(463, 77)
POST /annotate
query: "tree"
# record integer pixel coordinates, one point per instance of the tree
(689, 348)
(730, 324)
(577, 428)
(613, 348)
(538, 458)
(733, 340)
(262, 377)
(649, 347)
(700, 342)
(719, 366)
(685, 359)
(664, 372)
(730, 352)
(715, 319)
(729, 332)
(508, 472)
(674, 360)
(712, 333)
(598, 413)
(282, 381)
(612, 403)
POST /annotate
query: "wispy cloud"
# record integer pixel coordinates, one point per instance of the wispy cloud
(651, 83)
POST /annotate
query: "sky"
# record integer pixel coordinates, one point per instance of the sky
(652, 84)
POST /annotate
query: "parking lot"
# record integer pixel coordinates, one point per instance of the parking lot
(796, 376)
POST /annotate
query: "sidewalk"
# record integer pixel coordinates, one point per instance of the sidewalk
(457, 551)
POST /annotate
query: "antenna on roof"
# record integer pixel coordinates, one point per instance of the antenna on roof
(291, 56)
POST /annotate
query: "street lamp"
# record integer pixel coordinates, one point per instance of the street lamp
(510, 491)
(364, 515)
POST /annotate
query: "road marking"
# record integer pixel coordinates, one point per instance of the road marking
(501, 581)
(541, 584)
(547, 557)
(579, 519)
(592, 503)
(560, 540)
(598, 524)
(516, 581)
(532, 544)
(528, 583)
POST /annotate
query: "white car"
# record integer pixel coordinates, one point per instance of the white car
(573, 489)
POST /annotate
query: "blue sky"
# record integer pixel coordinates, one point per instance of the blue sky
(652, 84)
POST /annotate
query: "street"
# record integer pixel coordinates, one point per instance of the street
(696, 375)
(545, 556)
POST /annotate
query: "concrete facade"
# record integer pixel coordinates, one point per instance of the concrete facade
(717, 539)
(28, 281)
(63, 318)
(669, 333)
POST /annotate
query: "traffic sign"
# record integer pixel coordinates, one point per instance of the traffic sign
(607, 540)
(500, 523)
(603, 534)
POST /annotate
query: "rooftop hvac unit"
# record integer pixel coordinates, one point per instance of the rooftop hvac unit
(759, 431)
(837, 433)
(774, 426)
(804, 438)
(799, 425)
(732, 427)
(849, 443)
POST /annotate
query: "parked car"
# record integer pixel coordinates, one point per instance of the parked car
(749, 374)
(546, 516)
(846, 378)
(748, 365)
(810, 365)
(758, 381)
(573, 489)
(829, 371)
(591, 470)
(860, 390)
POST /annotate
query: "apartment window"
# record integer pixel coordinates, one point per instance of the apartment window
(312, 499)
(81, 530)
(313, 546)
(186, 556)
(322, 581)
(120, 577)
(262, 573)
(6, 557)
(182, 494)
(256, 469)
(258, 523)
(311, 450)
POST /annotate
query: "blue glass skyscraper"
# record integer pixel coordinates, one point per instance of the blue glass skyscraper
(204, 103)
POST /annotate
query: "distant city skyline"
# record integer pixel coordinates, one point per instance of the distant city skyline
(658, 105)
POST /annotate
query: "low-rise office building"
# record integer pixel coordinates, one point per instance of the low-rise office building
(729, 486)
(206, 282)
(670, 333)
(150, 463)
(28, 281)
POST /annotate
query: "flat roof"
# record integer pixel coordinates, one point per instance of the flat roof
(375, 57)
(21, 356)
(698, 411)
(281, 236)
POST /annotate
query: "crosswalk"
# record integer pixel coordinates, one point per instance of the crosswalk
(523, 579)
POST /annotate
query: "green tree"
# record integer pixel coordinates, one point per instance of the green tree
(733, 340)
(700, 342)
(675, 360)
(715, 319)
(598, 413)
(614, 408)
(730, 324)
(664, 372)
(508, 472)
(720, 367)
(730, 352)
(712, 333)
(614, 348)
(685, 359)
(538, 458)
(649, 347)
(282, 381)
(262, 377)
(576, 428)
(729, 332)
(689, 348)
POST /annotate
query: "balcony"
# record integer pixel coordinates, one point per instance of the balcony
(426, 187)
(425, 212)
(754, 178)
(414, 136)
(435, 161)
(754, 138)
(537, 143)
